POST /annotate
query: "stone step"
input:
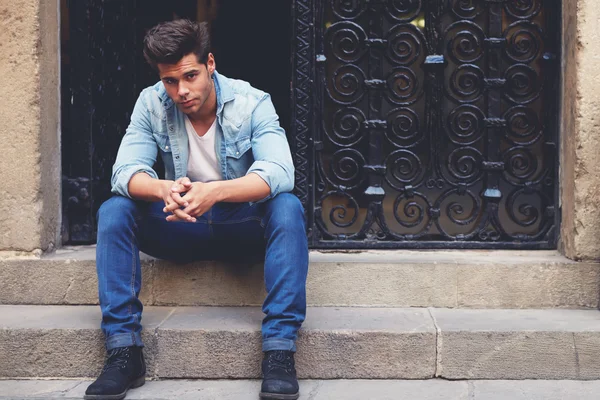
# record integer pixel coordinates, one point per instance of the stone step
(335, 343)
(433, 389)
(449, 279)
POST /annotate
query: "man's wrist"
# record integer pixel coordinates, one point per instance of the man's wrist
(218, 189)
(162, 187)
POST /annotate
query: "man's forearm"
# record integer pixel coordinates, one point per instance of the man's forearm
(248, 188)
(143, 187)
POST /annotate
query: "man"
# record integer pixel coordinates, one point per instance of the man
(228, 172)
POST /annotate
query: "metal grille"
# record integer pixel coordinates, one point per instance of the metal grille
(103, 73)
(434, 123)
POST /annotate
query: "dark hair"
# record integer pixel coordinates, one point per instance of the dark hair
(168, 42)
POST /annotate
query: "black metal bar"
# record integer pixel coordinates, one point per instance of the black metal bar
(375, 85)
(432, 244)
(552, 105)
(494, 82)
(302, 94)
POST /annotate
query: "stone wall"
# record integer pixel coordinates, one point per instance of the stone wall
(29, 132)
(580, 130)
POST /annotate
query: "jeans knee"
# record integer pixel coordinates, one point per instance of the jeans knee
(286, 209)
(115, 213)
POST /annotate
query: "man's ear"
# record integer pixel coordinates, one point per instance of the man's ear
(210, 64)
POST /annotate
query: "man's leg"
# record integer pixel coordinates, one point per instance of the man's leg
(119, 282)
(119, 272)
(124, 227)
(286, 268)
(277, 225)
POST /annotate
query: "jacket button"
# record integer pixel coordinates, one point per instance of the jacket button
(237, 153)
(166, 147)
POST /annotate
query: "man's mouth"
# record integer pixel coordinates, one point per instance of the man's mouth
(187, 103)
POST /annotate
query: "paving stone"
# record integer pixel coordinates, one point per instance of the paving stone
(318, 390)
(334, 343)
(536, 390)
(518, 344)
(65, 341)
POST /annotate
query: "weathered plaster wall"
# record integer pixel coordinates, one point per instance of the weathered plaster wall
(29, 131)
(580, 129)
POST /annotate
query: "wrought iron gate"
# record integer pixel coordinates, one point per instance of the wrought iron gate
(103, 73)
(427, 123)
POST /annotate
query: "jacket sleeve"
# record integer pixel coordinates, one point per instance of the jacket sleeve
(138, 149)
(271, 151)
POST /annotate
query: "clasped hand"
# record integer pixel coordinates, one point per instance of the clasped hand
(197, 198)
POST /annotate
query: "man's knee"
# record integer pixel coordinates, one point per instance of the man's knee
(116, 212)
(286, 209)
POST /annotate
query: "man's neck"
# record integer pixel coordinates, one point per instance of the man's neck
(207, 113)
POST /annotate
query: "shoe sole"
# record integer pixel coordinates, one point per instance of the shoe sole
(279, 396)
(135, 384)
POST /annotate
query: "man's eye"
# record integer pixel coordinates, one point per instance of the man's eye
(191, 76)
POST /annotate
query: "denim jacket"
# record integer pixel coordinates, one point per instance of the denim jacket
(248, 138)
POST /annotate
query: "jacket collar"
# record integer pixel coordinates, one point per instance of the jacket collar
(223, 91)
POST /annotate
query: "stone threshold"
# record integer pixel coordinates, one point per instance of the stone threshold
(403, 278)
(335, 343)
(470, 256)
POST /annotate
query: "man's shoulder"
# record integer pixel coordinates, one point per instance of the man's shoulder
(156, 91)
(240, 98)
(238, 87)
(154, 99)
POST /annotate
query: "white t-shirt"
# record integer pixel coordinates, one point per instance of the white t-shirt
(202, 162)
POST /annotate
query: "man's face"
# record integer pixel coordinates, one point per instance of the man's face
(188, 83)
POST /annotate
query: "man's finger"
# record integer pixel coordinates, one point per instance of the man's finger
(173, 218)
(181, 185)
(171, 206)
(181, 216)
(185, 181)
(180, 200)
(195, 210)
(178, 188)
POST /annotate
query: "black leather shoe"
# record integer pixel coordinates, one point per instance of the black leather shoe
(279, 376)
(125, 369)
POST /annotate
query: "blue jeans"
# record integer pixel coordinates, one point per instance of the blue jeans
(274, 230)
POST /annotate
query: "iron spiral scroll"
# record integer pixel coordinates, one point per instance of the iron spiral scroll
(428, 124)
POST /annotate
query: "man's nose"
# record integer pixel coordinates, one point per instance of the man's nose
(183, 90)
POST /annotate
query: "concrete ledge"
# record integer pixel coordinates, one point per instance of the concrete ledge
(61, 340)
(517, 344)
(220, 342)
(346, 343)
(450, 279)
(335, 343)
